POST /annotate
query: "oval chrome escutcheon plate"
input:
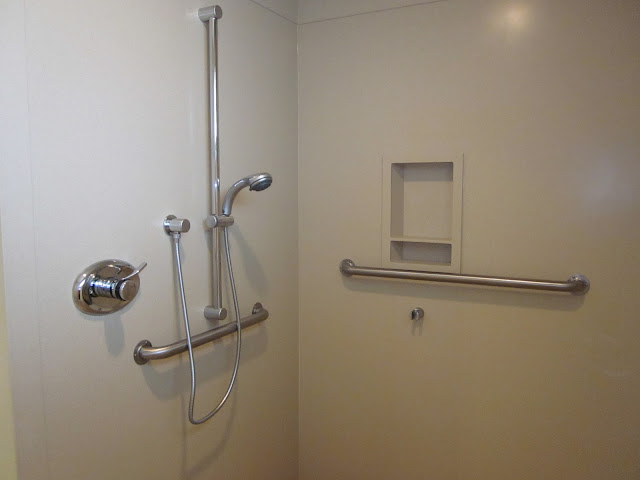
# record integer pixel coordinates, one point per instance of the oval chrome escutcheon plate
(106, 287)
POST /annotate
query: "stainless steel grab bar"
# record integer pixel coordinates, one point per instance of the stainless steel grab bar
(144, 351)
(577, 284)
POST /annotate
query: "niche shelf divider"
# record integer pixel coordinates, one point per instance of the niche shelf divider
(422, 214)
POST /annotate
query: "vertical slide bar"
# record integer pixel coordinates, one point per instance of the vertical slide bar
(210, 15)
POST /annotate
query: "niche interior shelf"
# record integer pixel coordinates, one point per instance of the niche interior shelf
(422, 214)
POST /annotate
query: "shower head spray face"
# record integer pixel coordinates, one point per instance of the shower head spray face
(257, 182)
(260, 181)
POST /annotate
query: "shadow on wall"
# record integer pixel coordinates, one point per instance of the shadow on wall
(253, 268)
(223, 435)
(113, 329)
(247, 259)
(170, 377)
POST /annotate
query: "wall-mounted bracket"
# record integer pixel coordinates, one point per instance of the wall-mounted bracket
(207, 13)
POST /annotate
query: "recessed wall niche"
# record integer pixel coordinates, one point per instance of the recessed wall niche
(422, 214)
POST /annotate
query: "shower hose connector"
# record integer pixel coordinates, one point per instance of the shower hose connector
(173, 225)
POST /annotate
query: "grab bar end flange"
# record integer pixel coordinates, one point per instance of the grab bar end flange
(582, 283)
(345, 267)
(137, 352)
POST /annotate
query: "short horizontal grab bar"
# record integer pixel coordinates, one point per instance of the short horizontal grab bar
(577, 284)
(144, 351)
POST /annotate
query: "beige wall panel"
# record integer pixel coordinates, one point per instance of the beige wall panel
(544, 100)
(116, 138)
(18, 238)
(7, 443)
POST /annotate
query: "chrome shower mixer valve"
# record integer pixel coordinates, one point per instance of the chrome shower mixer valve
(106, 286)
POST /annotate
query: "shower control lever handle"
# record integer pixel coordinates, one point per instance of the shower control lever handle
(127, 288)
(138, 269)
(124, 289)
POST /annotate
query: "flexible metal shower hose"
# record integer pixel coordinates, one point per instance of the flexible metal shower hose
(192, 398)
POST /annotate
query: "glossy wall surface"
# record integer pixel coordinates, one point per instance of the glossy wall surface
(543, 99)
(105, 134)
(7, 442)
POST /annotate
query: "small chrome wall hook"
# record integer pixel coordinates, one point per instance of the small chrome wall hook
(417, 314)
(106, 286)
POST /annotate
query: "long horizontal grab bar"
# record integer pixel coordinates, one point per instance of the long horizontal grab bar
(577, 284)
(144, 351)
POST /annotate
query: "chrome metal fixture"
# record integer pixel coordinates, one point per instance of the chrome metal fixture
(106, 286)
(216, 221)
(577, 284)
(417, 314)
(145, 351)
(257, 183)
(215, 311)
(210, 16)
(175, 227)
(172, 224)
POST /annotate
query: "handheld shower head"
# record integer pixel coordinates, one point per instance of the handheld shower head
(257, 182)
(260, 181)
